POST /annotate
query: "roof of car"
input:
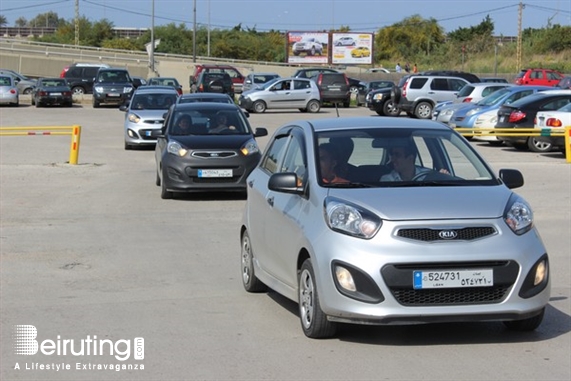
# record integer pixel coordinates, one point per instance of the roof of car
(206, 105)
(205, 95)
(155, 89)
(367, 122)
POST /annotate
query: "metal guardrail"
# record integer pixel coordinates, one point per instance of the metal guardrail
(74, 131)
(553, 132)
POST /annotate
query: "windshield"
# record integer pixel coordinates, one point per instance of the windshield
(387, 157)
(494, 97)
(152, 101)
(209, 121)
(268, 84)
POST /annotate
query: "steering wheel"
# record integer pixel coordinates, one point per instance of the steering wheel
(420, 176)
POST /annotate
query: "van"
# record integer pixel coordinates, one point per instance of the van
(80, 76)
(333, 87)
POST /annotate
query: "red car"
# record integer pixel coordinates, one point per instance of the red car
(538, 77)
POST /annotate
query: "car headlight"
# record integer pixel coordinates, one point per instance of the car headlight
(250, 148)
(98, 89)
(486, 121)
(133, 118)
(175, 148)
(350, 219)
(378, 96)
(518, 215)
(473, 111)
(127, 89)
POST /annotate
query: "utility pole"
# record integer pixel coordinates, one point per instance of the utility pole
(194, 35)
(76, 22)
(519, 37)
(152, 51)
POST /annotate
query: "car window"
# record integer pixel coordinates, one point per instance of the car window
(5, 81)
(417, 83)
(553, 76)
(554, 104)
(456, 84)
(281, 85)
(273, 154)
(488, 90)
(300, 85)
(494, 97)
(294, 160)
(152, 101)
(536, 74)
(89, 72)
(515, 96)
(466, 90)
(439, 84)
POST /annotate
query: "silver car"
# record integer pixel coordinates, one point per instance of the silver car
(144, 114)
(366, 220)
(9, 91)
(256, 79)
(283, 93)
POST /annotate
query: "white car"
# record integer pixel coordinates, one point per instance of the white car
(345, 41)
(554, 119)
(309, 46)
(485, 121)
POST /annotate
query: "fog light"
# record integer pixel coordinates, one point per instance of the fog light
(345, 278)
(540, 273)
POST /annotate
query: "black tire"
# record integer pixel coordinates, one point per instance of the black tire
(77, 90)
(38, 105)
(396, 94)
(313, 106)
(33, 101)
(127, 147)
(96, 104)
(313, 321)
(496, 143)
(27, 91)
(157, 179)
(390, 109)
(249, 280)
(524, 325)
(259, 106)
(520, 146)
(347, 104)
(537, 145)
(423, 110)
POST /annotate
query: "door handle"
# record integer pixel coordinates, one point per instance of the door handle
(251, 183)
(270, 201)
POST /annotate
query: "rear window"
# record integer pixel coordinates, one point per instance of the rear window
(466, 91)
(328, 79)
(417, 83)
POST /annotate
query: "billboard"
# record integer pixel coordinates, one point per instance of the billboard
(307, 47)
(352, 48)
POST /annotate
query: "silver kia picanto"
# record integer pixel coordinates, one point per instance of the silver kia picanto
(390, 221)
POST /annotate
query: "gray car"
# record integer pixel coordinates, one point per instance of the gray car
(144, 114)
(256, 79)
(283, 93)
(334, 222)
(25, 85)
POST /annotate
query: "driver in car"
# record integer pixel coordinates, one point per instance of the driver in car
(404, 169)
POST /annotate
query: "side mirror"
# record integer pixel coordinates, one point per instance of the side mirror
(285, 182)
(124, 107)
(512, 178)
(260, 131)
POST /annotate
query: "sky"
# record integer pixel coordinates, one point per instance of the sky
(299, 15)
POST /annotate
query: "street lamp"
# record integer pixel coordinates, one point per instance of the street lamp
(152, 54)
(496, 57)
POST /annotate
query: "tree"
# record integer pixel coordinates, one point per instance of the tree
(20, 22)
(3, 20)
(48, 20)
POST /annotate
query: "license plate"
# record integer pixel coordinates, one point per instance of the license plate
(114, 95)
(452, 125)
(453, 278)
(502, 119)
(56, 93)
(214, 173)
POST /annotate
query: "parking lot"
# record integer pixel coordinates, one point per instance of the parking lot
(91, 249)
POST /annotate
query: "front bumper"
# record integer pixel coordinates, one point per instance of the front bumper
(183, 174)
(389, 261)
(245, 102)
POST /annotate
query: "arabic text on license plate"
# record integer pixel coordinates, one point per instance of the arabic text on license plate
(453, 278)
(56, 93)
(114, 95)
(214, 173)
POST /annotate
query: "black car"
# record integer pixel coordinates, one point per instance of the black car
(196, 152)
(52, 91)
(380, 101)
(334, 88)
(209, 82)
(166, 81)
(113, 86)
(80, 76)
(365, 88)
(522, 113)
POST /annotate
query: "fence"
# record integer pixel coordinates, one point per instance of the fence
(547, 132)
(74, 131)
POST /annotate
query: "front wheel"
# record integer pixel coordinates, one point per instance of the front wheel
(249, 280)
(165, 194)
(391, 109)
(313, 321)
(259, 106)
(78, 90)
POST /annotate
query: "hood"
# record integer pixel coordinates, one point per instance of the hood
(212, 141)
(150, 114)
(433, 202)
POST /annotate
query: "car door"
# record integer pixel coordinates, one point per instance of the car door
(280, 94)
(301, 93)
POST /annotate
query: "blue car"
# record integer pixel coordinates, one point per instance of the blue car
(466, 116)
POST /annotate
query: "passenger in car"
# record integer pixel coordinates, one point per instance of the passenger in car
(183, 125)
(330, 163)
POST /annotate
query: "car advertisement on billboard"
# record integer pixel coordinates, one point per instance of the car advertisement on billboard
(307, 47)
(352, 48)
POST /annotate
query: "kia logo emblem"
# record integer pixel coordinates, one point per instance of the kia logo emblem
(447, 234)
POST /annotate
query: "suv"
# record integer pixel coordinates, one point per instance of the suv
(420, 93)
(209, 82)
(333, 87)
(80, 76)
(112, 85)
(309, 46)
(538, 77)
(235, 75)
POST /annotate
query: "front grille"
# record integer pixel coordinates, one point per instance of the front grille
(214, 154)
(453, 296)
(465, 234)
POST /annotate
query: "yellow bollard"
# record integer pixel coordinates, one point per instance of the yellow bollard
(74, 150)
(567, 143)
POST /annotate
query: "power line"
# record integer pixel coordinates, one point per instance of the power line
(34, 6)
